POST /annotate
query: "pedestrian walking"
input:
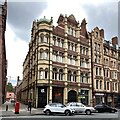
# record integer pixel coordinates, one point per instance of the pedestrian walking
(6, 107)
(29, 105)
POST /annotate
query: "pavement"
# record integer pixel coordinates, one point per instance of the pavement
(23, 111)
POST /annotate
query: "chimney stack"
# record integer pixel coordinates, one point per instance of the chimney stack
(102, 33)
(115, 40)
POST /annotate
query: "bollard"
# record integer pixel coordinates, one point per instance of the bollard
(6, 107)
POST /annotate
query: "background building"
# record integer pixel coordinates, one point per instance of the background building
(105, 62)
(3, 61)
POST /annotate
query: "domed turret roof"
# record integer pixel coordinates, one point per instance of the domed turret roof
(44, 20)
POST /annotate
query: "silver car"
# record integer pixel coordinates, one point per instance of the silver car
(81, 108)
(58, 108)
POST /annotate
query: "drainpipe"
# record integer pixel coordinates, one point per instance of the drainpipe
(36, 73)
(28, 77)
(49, 73)
(93, 97)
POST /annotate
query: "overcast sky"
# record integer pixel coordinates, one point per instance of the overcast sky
(103, 13)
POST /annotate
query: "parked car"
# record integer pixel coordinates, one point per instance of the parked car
(58, 108)
(117, 106)
(105, 108)
(81, 108)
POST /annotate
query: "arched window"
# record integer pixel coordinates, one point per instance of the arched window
(47, 38)
(60, 74)
(69, 75)
(41, 38)
(54, 76)
(41, 73)
(46, 55)
(46, 73)
(41, 54)
(74, 76)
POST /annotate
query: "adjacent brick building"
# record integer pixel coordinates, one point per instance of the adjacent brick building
(3, 61)
(105, 66)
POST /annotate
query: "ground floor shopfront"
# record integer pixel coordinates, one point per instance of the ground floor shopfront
(111, 99)
(45, 95)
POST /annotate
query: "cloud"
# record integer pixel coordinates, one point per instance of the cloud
(104, 16)
(16, 50)
(101, 13)
(21, 16)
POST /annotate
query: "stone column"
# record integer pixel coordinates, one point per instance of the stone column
(36, 97)
(65, 95)
(50, 96)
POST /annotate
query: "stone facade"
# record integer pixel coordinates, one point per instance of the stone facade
(3, 61)
(61, 63)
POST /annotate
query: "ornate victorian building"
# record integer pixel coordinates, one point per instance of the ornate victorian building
(57, 67)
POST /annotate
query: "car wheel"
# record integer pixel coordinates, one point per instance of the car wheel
(47, 112)
(96, 111)
(67, 113)
(88, 112)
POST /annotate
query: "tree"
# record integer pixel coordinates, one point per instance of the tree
(10, 87)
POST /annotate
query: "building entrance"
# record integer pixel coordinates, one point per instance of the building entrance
(72, 96)
(42, 97)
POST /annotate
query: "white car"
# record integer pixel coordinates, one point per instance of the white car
(81, 108)
(58, 108)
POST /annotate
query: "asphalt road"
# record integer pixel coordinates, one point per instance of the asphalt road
(95, 116)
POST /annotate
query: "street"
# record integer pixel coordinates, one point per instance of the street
(99, 116)
(37, 114)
